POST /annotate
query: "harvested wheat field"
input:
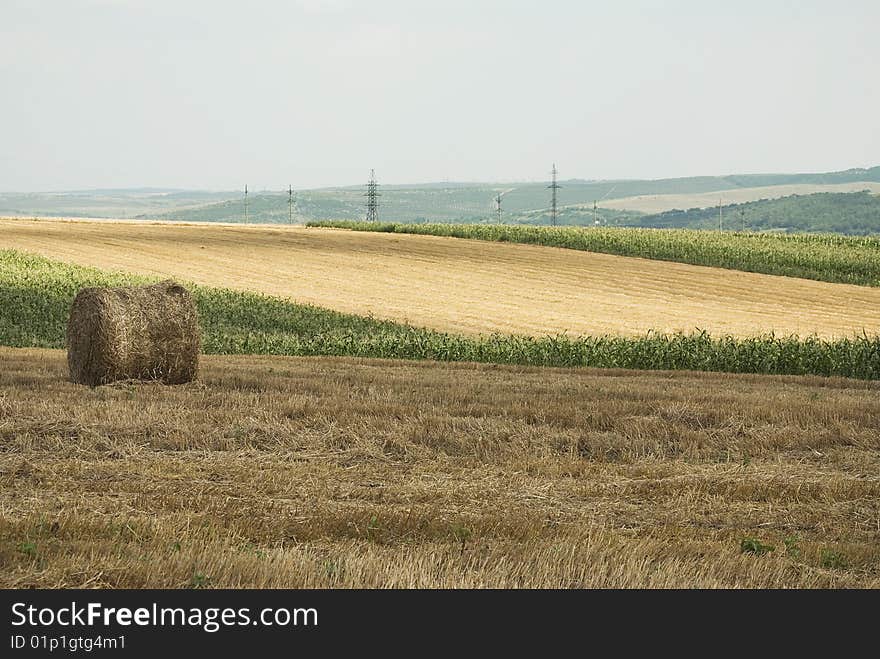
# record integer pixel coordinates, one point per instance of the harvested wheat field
(660, 203)
(461, 285)
(360, 473)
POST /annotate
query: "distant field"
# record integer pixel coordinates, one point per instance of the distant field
(317, 472)
(462, 286)
(659, 203)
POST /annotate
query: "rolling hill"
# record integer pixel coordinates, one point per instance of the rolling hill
(463, 286)
(854, 213)
(523, 202)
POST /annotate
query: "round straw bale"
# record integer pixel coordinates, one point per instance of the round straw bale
(133, 333)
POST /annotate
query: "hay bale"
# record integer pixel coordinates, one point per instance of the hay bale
(133, 333)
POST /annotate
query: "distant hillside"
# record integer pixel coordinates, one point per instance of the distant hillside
(105, 203)
(652, 204)
(854, 213)
(525, 203)
(474, 202)
(534, 196)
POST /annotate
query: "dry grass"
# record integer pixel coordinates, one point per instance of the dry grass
(666, 202)
(341, 472)
(461, 285)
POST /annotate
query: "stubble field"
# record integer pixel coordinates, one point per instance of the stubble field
(275, 471)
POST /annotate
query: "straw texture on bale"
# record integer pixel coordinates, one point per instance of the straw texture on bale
(133, 333)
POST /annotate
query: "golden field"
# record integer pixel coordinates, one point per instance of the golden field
(365, 473)
(665, 202)
(460, 285)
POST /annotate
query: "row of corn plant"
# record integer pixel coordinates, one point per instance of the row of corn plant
(36, 294)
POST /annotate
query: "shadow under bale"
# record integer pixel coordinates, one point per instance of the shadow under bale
(133, 333)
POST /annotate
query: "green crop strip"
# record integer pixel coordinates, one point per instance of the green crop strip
(36, 293)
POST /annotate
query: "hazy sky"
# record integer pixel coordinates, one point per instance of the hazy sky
(124, 93)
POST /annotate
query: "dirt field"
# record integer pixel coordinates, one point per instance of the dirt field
(460, 285)
(666, 202)
(341, 472)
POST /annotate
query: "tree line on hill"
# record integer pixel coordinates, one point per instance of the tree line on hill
(852, 213)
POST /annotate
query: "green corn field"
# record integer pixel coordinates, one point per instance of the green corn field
(36, 294)
(824, 257)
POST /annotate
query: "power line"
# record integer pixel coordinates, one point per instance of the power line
(596, 205)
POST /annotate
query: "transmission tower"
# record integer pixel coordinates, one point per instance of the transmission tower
(596, 205)
(372, 196)
(554, 186)
(245, 204)
(290, 200)
(498, 208)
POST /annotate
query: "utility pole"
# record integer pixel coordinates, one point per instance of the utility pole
(720, 216)
(498, 208)
(245, 204)
(372, 196)
(554, 186)
(742, 217)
